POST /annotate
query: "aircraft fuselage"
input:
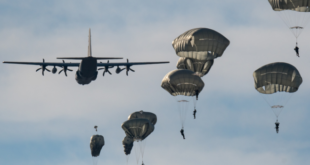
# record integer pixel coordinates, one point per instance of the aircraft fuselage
(87, 71)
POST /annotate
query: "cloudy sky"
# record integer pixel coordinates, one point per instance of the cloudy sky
(49, 120)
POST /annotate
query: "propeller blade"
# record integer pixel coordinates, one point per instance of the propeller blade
(109, 72)
(123, 69)
(42, 72)
(47, 70)
(65, 72)
(70, 70)
(38, 69)
(131, 69)
(127, 60)
(43, 60)
(103, 73)
(127, 72)
(100, 68)
(60, 71)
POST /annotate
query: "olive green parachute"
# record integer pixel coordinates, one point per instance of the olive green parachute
(277, 77)
(143, 115)
(96, 143)
(294, 13)
(138, 129)
(296, 5)
(277, 82)
(127, 144)
(201, 67)
(200, 44)
(182, 82)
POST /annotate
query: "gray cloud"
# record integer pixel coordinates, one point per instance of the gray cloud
(53, 116)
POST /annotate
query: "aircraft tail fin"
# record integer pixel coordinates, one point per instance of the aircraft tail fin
(89, 45)
(89, 53)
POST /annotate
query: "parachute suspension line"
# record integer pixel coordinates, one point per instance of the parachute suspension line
(284, 16)
(297, 28)
(95, 160)
(265, 99)
(137, 153)
(287, 19)
(182, 106)
(277, 111)
(287, 99)
(142, 147)
(294, 20)
(194, 102)
(304, 19)
(279, 102)
(127, 158)
(275, 114)
(307, 19)
(292, 23)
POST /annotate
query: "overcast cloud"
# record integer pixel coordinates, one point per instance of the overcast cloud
(49, 119)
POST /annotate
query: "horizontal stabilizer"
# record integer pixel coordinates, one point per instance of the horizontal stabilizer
(81, 58)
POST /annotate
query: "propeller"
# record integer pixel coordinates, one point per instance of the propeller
(128, 68)
(43, 67)
(65, 68)
(106, 69)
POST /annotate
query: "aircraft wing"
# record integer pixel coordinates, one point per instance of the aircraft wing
(60, 64)
(131, 63)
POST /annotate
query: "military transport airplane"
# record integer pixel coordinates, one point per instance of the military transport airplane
(87, 70)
